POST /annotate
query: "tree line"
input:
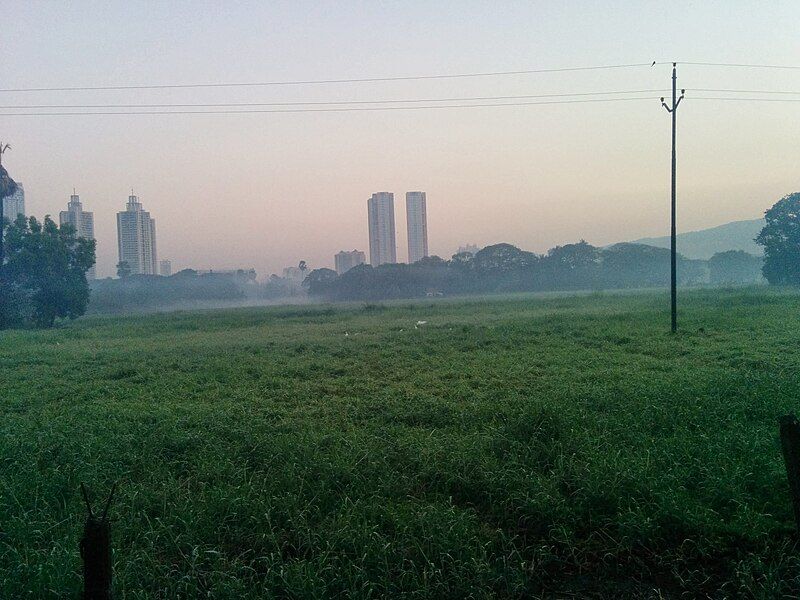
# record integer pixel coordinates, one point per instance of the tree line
(502, 268)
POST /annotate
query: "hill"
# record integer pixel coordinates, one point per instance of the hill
(703, 244)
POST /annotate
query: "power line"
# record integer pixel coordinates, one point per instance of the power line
(734, 99)
(326, 102)
(392, 101)
(728, 91)
(322, 81)
(246, 110)
(312, 110)
(384, 79)
(739, 65)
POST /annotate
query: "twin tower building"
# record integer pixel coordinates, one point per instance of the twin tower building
(382, 238)
(136, 233)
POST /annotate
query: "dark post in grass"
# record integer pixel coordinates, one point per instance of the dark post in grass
(96, 551)
(790, 443)
(673, 287)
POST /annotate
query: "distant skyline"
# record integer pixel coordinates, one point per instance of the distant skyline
(269, 190)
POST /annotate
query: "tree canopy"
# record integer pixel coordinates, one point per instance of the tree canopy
(44, 275)
(7, 185)
(123, 269)
(734, 267)
(781, 240)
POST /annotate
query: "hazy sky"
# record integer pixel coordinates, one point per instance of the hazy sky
(266, 190)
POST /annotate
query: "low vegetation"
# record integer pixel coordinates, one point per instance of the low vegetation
(134, 293)
(514, 447)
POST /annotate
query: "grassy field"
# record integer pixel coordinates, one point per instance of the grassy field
(508, 448)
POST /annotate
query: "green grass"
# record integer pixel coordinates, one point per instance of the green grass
(514, 447)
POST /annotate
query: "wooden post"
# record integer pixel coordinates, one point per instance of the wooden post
(790, 443)
(96, 551)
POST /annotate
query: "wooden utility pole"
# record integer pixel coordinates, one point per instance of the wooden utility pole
(673, 241)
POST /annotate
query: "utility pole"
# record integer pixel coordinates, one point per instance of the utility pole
(673, 241)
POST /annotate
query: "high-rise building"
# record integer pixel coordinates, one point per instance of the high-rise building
(382, 243)
(468, 249)
(417, 221)
(246, 275)
(136, 235)
(165, 268)
(347, 260)
(14, 205)
(81, 221)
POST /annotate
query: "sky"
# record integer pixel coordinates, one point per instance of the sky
(268, 190)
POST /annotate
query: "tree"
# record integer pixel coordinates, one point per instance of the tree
(627, 265)
(462, 272)
(781, 240)
(572, 266)
(278, 287)
(462, 260)
(734, 267)
(124, 269)
(500, 267)
(434, 262)
(635, 265)
(11, 302)
(319, 281)
(357, 283)
(46, 268)
(501, 258)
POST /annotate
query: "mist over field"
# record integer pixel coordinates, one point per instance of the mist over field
(495, 269)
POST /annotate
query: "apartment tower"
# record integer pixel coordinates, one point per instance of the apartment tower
(14, 205)
(81, 221)
(345, 261)
(382, 242)
(136, 235)
(417, 222)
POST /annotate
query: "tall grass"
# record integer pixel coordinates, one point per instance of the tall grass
(509, 448)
